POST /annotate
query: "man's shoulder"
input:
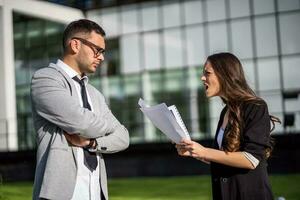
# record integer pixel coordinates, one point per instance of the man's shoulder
(51, 69)
(94, 89)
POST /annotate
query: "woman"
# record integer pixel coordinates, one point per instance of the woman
(242, 143)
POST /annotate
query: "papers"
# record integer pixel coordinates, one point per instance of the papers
(167, 119)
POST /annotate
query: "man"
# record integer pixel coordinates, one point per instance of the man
(73, 123)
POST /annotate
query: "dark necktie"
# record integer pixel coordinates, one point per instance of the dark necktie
(90, 158)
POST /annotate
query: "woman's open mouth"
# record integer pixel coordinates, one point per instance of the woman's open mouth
(206, 86)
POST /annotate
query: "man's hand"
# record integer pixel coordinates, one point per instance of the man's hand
(76, 140)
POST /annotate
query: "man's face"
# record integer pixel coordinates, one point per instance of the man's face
(91, 52)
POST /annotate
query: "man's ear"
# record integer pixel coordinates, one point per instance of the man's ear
(74, 46)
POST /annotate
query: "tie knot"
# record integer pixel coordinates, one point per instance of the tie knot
(80, 81)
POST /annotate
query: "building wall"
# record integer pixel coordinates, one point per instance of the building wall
(156, 50)
(11, 37)
(166, 36)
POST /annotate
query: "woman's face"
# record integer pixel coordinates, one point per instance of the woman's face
(210, 81)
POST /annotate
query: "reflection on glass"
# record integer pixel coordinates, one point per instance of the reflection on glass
(19, 35)
(173, 48)
(110, 22)
(274, 101)
(262, 7)
(171, 15)
(35, 32)
(289, 32)
(54, 52)
(130, 54)
(152, 50)
(241, 38)
(54, 32)
(21, 73)
(37, 58)
(215, 10)
(266, 41)
(111, 64)
(150, 19)
(288, 5)
(195, 45)
(123, 97)
(171, 87)
(291, 72)
(217, 34)
(248, 67)
(36, 42)
(239, 8)
(193, 12)
(129, 19)
(268, 74)
(131, 114)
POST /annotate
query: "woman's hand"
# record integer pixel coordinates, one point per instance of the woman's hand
(182, 151)
(190, 148)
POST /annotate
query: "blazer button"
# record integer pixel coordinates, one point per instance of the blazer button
(103, 148)
(224, 180)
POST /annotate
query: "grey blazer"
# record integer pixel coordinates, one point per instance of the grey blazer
(55, 108)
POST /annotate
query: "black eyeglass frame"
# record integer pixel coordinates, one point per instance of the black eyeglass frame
(96, 49)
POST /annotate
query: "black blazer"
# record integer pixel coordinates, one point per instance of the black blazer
(231, 183)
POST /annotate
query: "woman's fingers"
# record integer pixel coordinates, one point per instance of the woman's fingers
(186, 141)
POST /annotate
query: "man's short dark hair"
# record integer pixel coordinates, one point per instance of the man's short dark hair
(80, 26)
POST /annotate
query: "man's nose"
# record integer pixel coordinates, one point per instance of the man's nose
(100, 57)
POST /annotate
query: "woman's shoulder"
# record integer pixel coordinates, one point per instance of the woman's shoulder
(255, 107)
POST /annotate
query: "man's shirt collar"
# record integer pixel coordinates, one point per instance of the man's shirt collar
(70, 71)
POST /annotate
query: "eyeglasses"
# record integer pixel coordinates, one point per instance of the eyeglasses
(96, 49)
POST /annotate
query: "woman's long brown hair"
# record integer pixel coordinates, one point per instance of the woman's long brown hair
(235, 92)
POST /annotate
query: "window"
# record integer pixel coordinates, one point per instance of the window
(239, 8)
(261, 7)
(195, 45)
(291, 72)
(193, 12)
(129, 16)
(268, 74)
(289, 32)
(217, 33)
(110, 21)
(173, 48)
(241, 38)
(171, 15)
(130, 53)
(265, 34)
(150, 17)
(152, 50)
(215, 10)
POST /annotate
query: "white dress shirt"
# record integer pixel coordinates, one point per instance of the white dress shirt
(87, 185)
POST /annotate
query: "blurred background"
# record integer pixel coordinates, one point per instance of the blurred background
(155, 49)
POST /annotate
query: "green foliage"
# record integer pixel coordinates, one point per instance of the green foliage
(165, 188)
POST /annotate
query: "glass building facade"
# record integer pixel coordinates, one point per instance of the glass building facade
(156, 50)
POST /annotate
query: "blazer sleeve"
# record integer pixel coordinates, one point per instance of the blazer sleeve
(256, 132)
(118, 138)
(52, 100)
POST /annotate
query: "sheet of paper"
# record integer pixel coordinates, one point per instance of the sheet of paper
(164, 120)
